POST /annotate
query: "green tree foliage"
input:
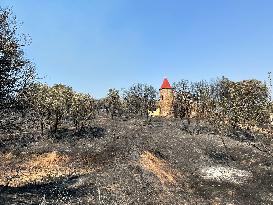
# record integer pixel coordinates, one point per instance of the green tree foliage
(16, 72)
(203, 92)
(82, 110)
(182, 100)
(38, 96)
(246, 102)
(113, 103)
(224, 102)
(59, 103)
(140, 98)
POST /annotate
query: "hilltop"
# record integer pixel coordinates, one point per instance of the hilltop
(133, 161)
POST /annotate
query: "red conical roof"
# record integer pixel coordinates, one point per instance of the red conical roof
(166, 84)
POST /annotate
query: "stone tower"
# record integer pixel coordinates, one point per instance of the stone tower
(166, 99)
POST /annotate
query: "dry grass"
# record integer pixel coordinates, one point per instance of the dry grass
(39, 168)
(158, 167)
(6, 158)
(257, 129)
(114, 187)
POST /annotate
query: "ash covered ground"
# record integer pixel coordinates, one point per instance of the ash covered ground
(132, 161)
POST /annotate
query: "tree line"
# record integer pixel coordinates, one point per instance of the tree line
(221, 102)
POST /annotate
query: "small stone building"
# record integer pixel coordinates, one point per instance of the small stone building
(165, 105)
(166, 99)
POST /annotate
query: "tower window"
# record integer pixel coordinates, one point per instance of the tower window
(161, 97)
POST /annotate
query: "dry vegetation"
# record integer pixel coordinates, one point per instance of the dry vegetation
(58, 146)
(137, 162)
(37, 169)
(158, 167)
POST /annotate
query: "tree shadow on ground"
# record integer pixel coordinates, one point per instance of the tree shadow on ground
(72, 134)
(18, 140)
(221, 157)
(240, 134)
(51, 192)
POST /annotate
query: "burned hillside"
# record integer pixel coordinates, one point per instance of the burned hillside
(137, 162)
(186, 143)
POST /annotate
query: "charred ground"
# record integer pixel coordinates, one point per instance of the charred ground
(134, 161)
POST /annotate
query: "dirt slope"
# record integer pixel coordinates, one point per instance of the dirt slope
(134, 162)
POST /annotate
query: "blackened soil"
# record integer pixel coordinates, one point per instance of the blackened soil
(116, 146)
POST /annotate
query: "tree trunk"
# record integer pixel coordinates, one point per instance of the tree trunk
(42, 127)
(56, 124)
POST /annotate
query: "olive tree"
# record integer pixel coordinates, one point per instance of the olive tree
(140, 98)
(37, 96)
(16, 71)
(82, 110)
(182, 99)
(246, 102)
(113, 103)
(51, 105)
(60, 100)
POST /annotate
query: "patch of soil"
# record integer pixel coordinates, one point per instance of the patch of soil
(37, 169)
(158, 167)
